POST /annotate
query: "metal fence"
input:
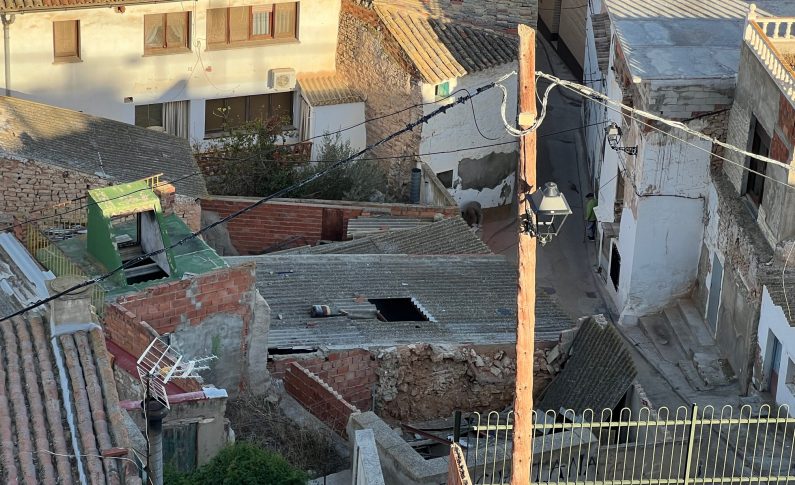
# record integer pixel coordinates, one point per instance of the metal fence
(680, 446)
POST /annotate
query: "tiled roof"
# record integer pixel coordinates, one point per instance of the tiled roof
(450, 236)
(97, 146)
(442, 50)
(471, 298)
(57, 399)
(598, 373)
(17, 6)
(324, 89)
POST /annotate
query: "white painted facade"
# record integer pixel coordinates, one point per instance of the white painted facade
(114, 75)
(773, 324)
(456, 131)
(335, 117)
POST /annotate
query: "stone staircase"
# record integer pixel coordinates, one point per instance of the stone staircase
(681, 337)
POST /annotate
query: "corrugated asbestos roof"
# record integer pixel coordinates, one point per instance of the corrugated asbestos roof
(450, 236)
(323, 89)
(71, 413)
(16, 6)
(596, 376)
(442, 50)
(93, 145)
(471, 298)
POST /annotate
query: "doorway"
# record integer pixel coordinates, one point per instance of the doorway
(775, 364)
(715, 287)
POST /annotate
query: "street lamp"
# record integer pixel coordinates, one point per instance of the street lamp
(549, 211)
(613, 133)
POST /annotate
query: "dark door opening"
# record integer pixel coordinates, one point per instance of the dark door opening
(755, 183)
(615, 266)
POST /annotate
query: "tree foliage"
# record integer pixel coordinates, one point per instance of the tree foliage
(253, 161)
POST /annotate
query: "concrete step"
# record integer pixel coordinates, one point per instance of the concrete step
(692, 375)
(715, 371)
(696, 322)
(657, 330)
(681, 330)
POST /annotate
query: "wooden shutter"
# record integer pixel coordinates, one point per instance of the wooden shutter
(262, 22)
(285, 21)
(238, 24)
(177, 35)
(66, 40)
(154, 31)
(216, 26)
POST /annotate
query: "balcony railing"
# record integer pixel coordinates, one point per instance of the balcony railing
(681, 446)
(760, 35)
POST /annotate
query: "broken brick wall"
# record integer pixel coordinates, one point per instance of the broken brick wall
(300, 222)
(318, 397)
(352, 373)
(210, 314)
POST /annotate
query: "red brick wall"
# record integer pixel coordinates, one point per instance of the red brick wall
(165, 306)
(318, 397)
(277, 221)
(350, 372)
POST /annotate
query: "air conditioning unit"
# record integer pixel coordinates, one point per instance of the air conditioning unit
(282, 79)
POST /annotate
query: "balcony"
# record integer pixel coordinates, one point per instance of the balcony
(772, 39)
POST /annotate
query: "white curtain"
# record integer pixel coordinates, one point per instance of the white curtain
(306, 113)
(175, 118)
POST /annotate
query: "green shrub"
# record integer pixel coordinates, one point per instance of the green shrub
(241, 464)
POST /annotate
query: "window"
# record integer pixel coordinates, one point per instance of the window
(66, 40)
(241, 25)
(442, 90)
(148, 115)
(222, 114)
(755, 182)
(446, 178)
(166, 32)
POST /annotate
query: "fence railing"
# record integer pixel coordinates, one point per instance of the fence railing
(757, 35)
(681, 446)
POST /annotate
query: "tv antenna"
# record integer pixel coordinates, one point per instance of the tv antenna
(159, 364)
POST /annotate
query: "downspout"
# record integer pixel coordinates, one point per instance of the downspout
(7, 21)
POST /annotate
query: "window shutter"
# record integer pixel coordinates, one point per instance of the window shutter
(216, 26)
(238, 24)
(261, 21)
(65, 39)
(177, 35)
(153, 31)
(284, 25)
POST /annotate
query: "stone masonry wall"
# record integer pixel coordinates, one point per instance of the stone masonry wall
(498, 15)
(374, 65)
(26, 185)
(213, 313)
(282, 220)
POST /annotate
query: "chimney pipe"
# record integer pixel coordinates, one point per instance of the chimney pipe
(154, 412)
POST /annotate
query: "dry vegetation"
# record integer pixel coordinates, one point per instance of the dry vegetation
(257, 420)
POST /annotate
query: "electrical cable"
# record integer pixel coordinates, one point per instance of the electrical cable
(279, 193)
(536, 123)
(587, 92)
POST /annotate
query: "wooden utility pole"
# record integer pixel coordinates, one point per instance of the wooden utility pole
(526, 290)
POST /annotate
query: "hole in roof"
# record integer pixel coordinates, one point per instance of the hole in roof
(290, 350)
(400, 310)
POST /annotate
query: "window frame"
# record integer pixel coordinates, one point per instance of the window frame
(249, 110)
(254, 39)
(66, 58)
(759, 143)
(148, 51)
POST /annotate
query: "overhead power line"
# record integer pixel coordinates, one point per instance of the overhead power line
(587, 92)
(409, 127)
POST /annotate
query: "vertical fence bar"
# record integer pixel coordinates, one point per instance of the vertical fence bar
(690, 443)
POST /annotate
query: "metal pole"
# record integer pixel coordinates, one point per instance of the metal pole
(155, 412)
(525, 301)
(456, 426)
(690, 441)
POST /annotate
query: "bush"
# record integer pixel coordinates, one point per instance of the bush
(241, 464)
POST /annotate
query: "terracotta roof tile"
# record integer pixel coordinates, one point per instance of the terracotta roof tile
(322, 89)
(442, 50)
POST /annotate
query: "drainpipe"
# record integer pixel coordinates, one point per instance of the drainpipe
(155, 412)
(414, 188)
(7, 21)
